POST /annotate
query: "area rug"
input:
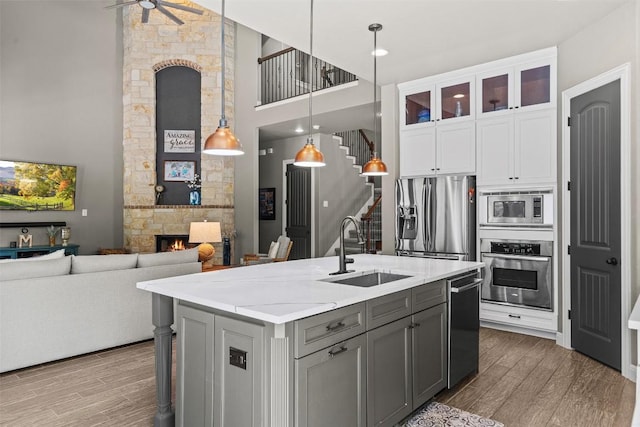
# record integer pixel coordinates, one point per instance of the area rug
(436, 414)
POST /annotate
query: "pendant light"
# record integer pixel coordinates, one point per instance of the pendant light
(375, 166)
(309, 156)
(222, 142)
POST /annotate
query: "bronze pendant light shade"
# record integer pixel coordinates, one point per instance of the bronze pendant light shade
(375, 166)
(222, 142)
(309, 156)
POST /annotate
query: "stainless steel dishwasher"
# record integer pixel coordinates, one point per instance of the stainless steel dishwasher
(464, 326)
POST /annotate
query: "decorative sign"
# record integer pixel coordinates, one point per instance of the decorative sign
(179, 141)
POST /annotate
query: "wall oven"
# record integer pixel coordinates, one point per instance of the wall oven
(518, 272)
(516, 208)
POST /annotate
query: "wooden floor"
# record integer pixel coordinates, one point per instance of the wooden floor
(523, 381)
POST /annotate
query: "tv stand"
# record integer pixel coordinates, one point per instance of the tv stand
(26, 252)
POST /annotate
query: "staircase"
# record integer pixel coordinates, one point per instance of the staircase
(360, 148)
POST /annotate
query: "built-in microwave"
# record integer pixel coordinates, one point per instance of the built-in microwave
(516, 208)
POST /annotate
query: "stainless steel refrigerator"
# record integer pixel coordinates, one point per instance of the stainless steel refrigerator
(436, 217)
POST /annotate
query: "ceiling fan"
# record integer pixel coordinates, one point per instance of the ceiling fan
(159, 5)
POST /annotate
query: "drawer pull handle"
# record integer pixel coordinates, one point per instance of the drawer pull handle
(333, 352)
(413, 325)
(336, 326)
(515, 316)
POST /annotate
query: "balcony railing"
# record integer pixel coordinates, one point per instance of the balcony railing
(284, 75)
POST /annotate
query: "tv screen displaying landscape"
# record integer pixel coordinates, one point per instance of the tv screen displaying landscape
(37, 186)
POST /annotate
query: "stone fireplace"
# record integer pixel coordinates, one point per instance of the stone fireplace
(148, 48)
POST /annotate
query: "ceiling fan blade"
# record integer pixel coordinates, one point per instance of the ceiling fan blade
(145, 16)
(126, 3)
(181, 7)
(171, 16)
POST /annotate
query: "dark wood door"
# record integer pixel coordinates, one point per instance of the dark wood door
(595, 224)
(298, 227)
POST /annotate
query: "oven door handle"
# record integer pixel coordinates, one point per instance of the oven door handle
(474, 284)
(518, 257)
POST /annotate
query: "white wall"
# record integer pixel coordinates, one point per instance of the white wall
(61, 102)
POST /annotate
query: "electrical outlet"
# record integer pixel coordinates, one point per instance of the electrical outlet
(84, 212)
(325, 204)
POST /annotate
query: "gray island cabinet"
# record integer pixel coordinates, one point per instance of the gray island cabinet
(282, 346)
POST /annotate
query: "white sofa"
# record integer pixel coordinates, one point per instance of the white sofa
(56, 308)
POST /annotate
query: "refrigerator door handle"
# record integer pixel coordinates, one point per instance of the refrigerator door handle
(426, 233)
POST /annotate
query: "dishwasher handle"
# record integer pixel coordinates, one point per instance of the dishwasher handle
(466, 287)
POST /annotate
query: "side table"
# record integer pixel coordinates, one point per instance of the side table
(207, 268)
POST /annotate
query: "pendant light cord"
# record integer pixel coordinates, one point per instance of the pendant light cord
(375, 91)
(310, 139)
(223, 119)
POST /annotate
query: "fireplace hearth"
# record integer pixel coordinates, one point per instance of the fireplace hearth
(172, 242)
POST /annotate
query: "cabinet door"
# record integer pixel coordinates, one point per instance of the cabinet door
(454, 100)
(389, 373)
(418, 152)
(495, 150)
(429, 353)
(456, 148)
(535, 148)
(419, 106)
(239, 355)
(535, 85)
(194, 376)
(494, 94)
(331, 386)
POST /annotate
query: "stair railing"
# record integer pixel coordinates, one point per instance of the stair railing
(358, 144)
(371, 228)
(284, 75)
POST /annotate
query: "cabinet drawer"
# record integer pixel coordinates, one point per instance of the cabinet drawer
(514, 316)
(323, 330)
(388, 308)
(428, 295)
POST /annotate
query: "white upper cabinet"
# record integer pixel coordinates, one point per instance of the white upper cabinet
(496, 120)
(427, 102)
(521, 86)
(518, 149)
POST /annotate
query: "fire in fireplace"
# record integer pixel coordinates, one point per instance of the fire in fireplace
(172, 242)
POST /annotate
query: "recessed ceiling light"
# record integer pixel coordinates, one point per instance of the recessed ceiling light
(379, 52)
(459, 95)
(316, 127)
(299, 130)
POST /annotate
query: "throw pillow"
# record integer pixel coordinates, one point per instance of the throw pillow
(37, 268)
(53, 255)
(168, 258)
(94, 263)
(273, 250)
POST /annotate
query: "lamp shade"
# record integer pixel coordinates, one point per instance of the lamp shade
(222, 143)
(309, 156)
(205, 232)
(375, 167)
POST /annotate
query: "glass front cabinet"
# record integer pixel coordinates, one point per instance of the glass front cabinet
(427, 103)
(526, 87)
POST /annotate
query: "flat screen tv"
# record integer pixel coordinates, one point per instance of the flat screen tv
(37, 186)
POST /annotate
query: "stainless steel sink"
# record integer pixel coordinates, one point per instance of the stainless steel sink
(368, 279)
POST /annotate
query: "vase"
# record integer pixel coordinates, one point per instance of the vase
(194, 198)
(226, 251)
(52, 240)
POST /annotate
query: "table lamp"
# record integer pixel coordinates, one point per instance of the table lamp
(205, 233)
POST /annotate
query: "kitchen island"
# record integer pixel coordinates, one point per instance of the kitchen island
(285, 345)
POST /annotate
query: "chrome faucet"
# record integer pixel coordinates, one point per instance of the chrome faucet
(343, 258)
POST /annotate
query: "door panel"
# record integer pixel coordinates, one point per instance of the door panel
(595, 224)
(298, 227)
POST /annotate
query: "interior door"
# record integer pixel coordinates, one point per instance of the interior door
(595, 224)
(298, 227)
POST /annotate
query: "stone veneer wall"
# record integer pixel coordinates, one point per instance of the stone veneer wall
(148, 48)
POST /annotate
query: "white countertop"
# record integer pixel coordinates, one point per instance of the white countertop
(285, 291)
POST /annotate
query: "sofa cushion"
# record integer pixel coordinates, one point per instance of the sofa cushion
(168, 258)
(94, 263)
(36, 268)
(53, 255)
